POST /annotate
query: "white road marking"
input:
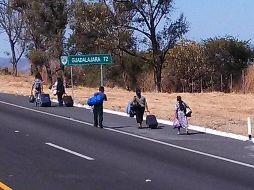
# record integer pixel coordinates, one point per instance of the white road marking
(70, 151)
(183, 148)
(140, 137)
(46, 113)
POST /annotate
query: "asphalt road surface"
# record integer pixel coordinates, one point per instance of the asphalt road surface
(57, 148)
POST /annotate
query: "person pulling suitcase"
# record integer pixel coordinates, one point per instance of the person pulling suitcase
(139, 105)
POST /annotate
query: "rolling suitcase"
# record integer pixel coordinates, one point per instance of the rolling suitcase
(45, 100)
(68, 101)
(151, 121)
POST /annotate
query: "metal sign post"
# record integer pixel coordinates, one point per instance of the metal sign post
(101, 75)
(90, 59)
(72, 87)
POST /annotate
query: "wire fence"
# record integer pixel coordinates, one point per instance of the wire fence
(219, 83)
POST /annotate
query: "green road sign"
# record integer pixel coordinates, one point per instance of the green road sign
(86, 59)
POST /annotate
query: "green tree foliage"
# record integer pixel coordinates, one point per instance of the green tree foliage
(94, 30)
(142, 37)
(45, 22)
(205, 66)
(89, 23)
(145, 18)
(226, 56)
(186, 65)
(126, 72)
(38, 58)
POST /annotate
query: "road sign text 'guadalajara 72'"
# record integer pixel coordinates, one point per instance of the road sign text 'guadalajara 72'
(86, 59)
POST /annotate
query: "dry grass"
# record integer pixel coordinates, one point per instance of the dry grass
(225, 112)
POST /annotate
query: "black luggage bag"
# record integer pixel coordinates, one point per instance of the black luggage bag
(31, 99)
(151, 121)
(45, 100)
(68, 101)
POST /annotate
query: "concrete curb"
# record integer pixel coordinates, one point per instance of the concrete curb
(167, 122)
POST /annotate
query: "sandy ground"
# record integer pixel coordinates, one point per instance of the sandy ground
(220, 111)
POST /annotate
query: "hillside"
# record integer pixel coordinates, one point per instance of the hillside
(224, 112)
(23, 64)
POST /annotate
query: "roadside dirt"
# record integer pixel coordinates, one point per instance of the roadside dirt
(220, 111)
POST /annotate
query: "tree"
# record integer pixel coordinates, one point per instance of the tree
(151, 19)
(12, 23)
(89, 23)
(95, 31)
(186, 64)
(45, 21)
(225, 56)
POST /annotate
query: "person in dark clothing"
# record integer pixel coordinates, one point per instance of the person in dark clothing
(60, 90)
(139, 105)
(98, 108)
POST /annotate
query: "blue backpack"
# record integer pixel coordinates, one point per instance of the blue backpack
(97, 98)
(128, 108)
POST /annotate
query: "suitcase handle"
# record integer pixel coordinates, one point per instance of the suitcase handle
(147, 113)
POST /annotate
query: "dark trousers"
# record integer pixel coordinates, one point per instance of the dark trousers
(139, 114)
(60, 99)
(98, 113)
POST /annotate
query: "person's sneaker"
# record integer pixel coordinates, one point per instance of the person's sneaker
(187, 133)
(101, 126)
(178, 133)
(95, 125)
(140, 126)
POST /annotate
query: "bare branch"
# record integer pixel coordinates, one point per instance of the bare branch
(133, 53)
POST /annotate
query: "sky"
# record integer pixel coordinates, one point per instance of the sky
(218, 18)
(207, 19)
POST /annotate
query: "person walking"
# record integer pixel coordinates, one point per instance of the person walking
(37, 87)
(139, 105)
(180, 114)
(60, 90)
(98, 108)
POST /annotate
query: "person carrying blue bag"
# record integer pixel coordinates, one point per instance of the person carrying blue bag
(97, 102)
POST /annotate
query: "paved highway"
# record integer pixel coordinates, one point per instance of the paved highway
(59, 149)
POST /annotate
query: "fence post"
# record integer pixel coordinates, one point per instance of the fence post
(249, 128)
(212, 83)
(221, 86)
(201, 86)
(72, 85)
(231, 82)
(192, 86)
(243, 81)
